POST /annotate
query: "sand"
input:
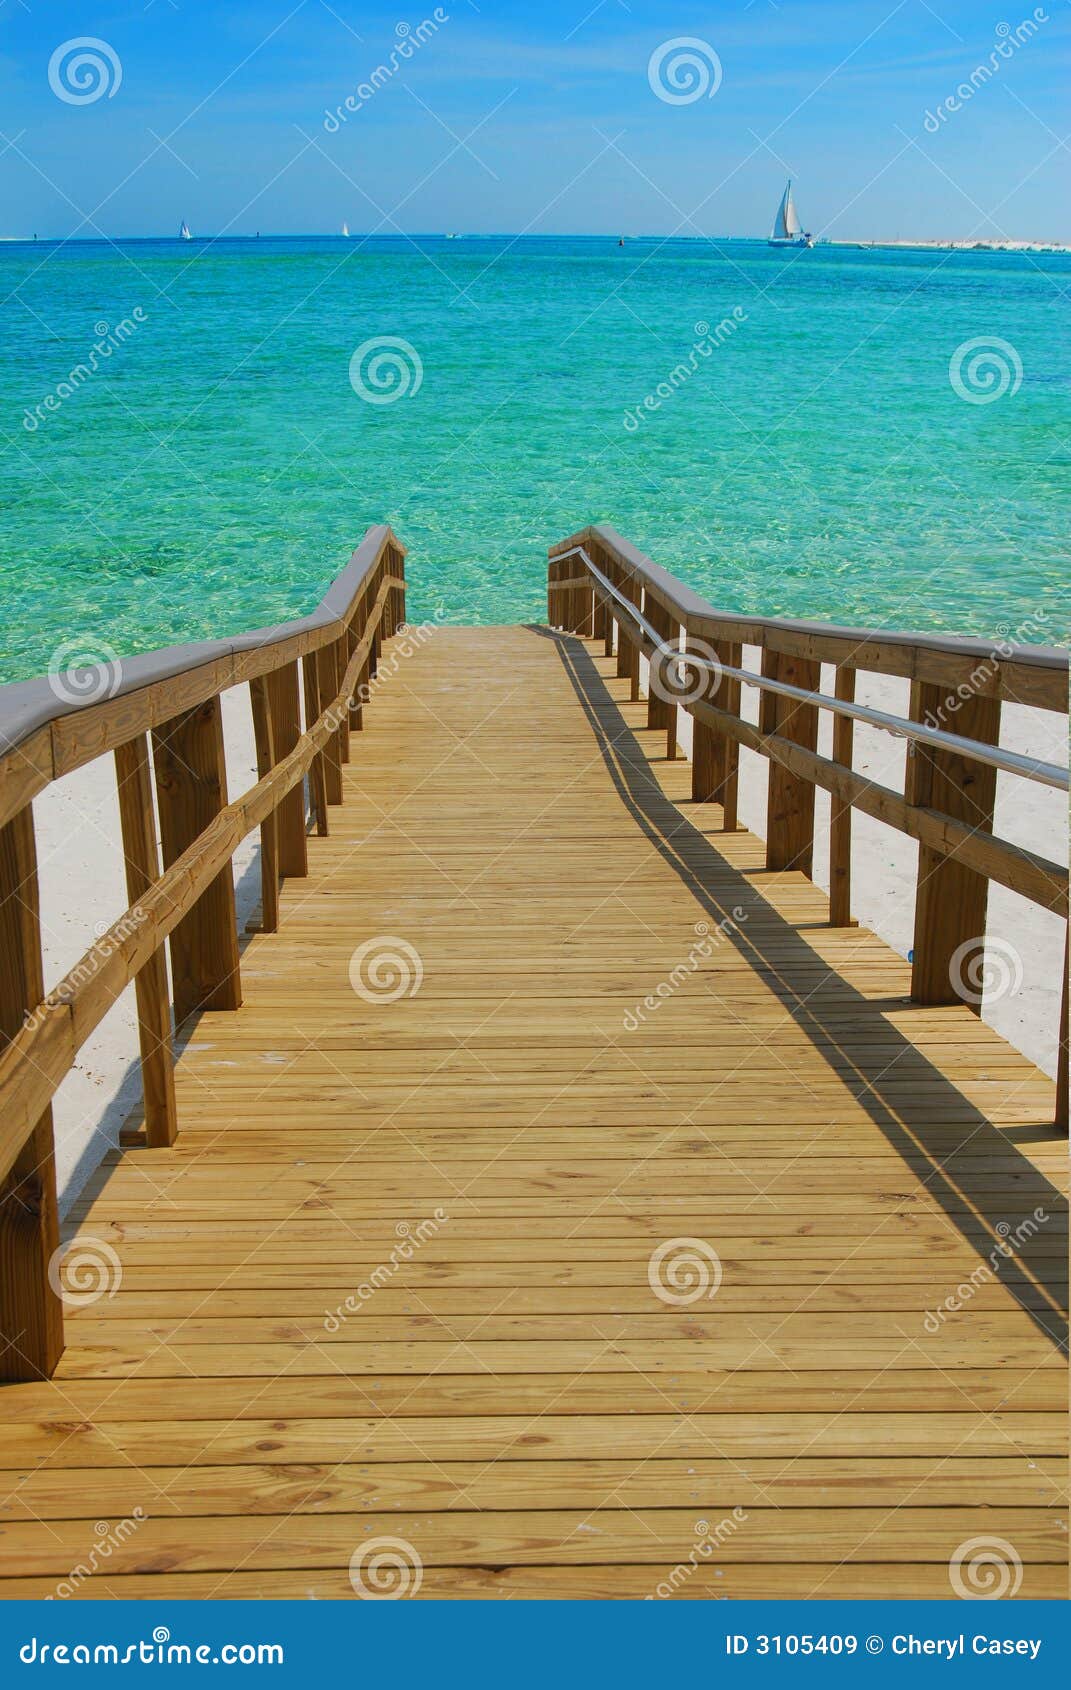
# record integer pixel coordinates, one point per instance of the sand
(82, 892)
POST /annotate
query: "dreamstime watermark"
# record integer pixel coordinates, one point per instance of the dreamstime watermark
(683, 677)
(684, 70)
(383, 1569)
(704, 346)
(984, 369)
(110, 937)
(707, 938)
(157, 1650)
(1005, 47)
(408, 640)
(84, 671)
(84, 1271)
(709, 1538)
(682, 1270)
(84, 70)
(988, 969)
(409, 41)
(411, 1237)
(985, 1569)
(1011, 1240)
(386, 968)
(386, 369)
(109, 1539)
(987, 668)
(108, 340)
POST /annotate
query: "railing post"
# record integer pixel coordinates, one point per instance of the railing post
(285, 707)
(191, 789)
(327, 680)
(317, 771)
(840, 811)
(133, 773)
(269, 828)
(628, 651)
(716, 757)
(31, 1312)
(1061, 1119)
(950, 900)
(659, 711)
(790, 804)
(340, 649)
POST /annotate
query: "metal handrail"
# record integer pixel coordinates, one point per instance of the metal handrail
(1011, 762)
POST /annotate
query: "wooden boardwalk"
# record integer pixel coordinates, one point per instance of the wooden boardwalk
(640, 1300)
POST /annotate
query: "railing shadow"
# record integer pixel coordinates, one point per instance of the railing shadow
(777, 950)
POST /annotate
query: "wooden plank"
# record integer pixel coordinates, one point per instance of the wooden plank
(269, 829)
(950, 896)
(284, 704)
(790, 800)
(141, 857)
(31, 1313)
(191, 791)
(840, 811)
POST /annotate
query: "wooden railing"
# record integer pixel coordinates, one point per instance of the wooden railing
(601, 586)
(163, 721)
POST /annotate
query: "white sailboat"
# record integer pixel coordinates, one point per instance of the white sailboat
(787, 229)
(345, 231)
(184, 232)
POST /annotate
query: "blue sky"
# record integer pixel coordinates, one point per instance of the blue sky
(536, 116)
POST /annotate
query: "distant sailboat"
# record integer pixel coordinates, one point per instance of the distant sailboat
(184, 232)
(787, 229)
(345, 231)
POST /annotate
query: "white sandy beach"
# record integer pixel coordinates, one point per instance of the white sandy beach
(82, 892)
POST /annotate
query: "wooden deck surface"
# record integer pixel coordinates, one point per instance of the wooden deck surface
(517, 1403)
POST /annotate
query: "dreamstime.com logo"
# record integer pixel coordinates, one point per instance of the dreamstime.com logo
(707, 1538)
(84, 1271)
(1010, 1241)
(985, 1569)
(983, 370)
(684, 70)
(1005, 47)
(682, 1270)
(109, 939)
(386, 1568)
(411, 1238)
(84, 70)
(706, 343)
(158, 1651)
(84, 671)
(985, 968)
(386, 968)
(407, 41)
(386, 369)
(675, 680)
(108, 340)
(706, 939)
(109, 1538)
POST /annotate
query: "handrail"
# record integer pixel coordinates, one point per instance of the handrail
(1025, 674)
(950, 782)
(1011, 762)
(47, 730)
(163, 720)
(38, 1057)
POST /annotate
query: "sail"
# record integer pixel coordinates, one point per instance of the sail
(184, 232)
(346, 230)
(786, 223)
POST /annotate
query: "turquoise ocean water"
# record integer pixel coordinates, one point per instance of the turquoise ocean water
(818, 460)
